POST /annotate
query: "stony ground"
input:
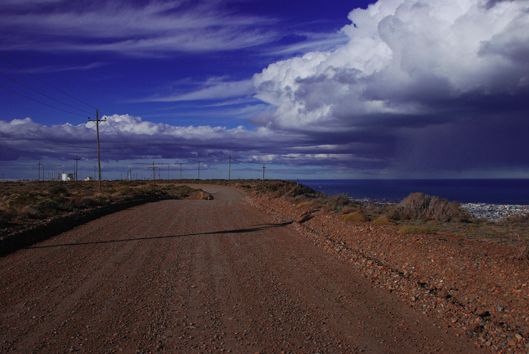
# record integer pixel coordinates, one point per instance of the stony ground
(478, 286)
(202, 276)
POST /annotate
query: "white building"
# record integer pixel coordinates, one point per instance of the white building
(65, 177)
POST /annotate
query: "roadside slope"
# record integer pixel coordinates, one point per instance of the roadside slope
(199, 275)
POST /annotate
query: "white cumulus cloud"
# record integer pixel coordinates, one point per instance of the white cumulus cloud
(403, 57)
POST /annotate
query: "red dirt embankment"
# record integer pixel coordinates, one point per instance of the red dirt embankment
(477, 286)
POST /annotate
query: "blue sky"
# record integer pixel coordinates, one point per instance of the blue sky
(322, 89)
(121, 80)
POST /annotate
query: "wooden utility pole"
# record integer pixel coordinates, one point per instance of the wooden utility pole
(229, 168)
(264, 168)
(75, 175)
(39, 167)
(180, 170)
(153, 171)
(97, 120)
(198, 169)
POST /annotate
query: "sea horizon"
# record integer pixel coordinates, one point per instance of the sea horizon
(505, 191)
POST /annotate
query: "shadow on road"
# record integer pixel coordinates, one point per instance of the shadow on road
(232, 231)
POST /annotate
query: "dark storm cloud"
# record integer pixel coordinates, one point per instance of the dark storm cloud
(420, 85)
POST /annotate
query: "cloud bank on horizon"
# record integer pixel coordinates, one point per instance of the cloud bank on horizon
(417, 86)
(127, 137)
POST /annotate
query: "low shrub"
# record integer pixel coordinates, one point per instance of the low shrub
(305, 204)
(30, 212)
(337, 203)
(301, 190)
(85, 203)
(49, 205)
(58, 189)
(283, 188)
(5, 217)
(354, 217)
(420, 206)
(382, 220)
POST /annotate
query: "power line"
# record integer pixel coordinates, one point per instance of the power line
(13, 65)
(18, 82)
(39, 101)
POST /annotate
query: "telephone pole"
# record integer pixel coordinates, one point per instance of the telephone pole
(264, 168)
(39, 166)
(97, 120)
(153, 171)
(75, 175)
(180, 170)
(229, 168)
(199, 169)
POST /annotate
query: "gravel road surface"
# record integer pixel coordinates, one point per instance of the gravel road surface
(199, 276)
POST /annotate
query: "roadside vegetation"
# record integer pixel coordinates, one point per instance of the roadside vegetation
(416, 214)
(429, 251)
(25, 204)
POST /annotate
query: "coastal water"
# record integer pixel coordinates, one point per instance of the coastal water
(489, 191)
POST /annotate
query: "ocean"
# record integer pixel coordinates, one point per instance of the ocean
(489, 191)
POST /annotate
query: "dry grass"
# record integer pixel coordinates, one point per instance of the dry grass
(306, 204)
(419, 206)
(503, 232)
(281, 188)
(412, 229)
(354, 217)
(416, 214)
(24, 204)
(382, 220)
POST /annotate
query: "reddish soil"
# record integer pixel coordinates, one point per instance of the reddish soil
(479, 287)
(197, 275)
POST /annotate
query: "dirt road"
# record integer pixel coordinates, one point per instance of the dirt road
(195, 276)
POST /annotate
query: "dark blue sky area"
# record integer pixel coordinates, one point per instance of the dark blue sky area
(392, 88)
(113, 80)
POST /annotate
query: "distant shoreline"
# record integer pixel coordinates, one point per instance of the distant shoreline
(500, 192)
